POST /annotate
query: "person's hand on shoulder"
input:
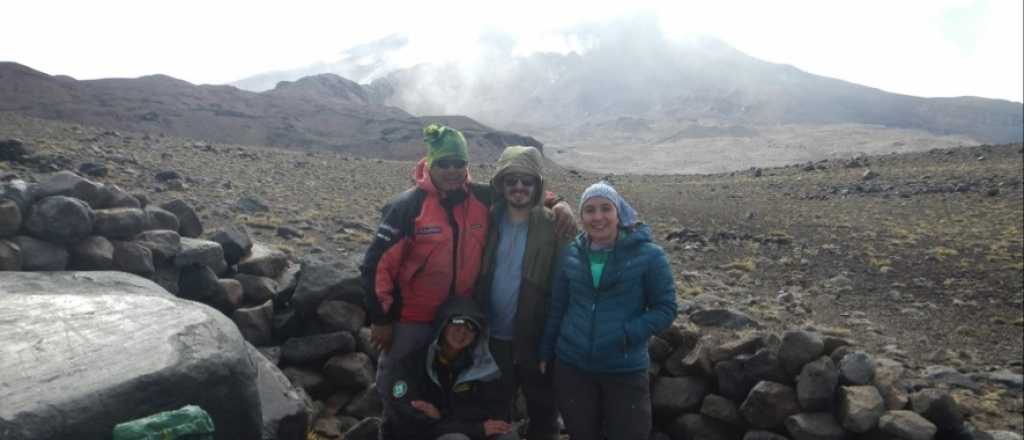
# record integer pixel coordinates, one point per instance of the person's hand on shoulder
(565, 219)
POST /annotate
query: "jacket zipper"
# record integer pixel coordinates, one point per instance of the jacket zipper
(455, 250)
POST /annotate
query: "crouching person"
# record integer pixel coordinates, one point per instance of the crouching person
(448, 390)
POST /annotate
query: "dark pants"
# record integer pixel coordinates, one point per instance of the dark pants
(537, 388)
(597, 406)
(405, 338)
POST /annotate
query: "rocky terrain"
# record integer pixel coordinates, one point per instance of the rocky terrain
(914, 257)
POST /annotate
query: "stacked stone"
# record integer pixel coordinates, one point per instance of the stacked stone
(804, 386)
(316, 371)
(311, 321)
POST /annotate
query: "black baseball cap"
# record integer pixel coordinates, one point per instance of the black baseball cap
(464, 320)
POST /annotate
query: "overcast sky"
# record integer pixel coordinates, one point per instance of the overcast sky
(917, 47)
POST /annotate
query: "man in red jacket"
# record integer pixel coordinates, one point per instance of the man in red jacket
(428, 247)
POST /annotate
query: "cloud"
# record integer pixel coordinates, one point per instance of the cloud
(920, 47)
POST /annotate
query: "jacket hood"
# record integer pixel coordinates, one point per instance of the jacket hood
(523, 160)
(483, 366)
(459, 306)
(421, 175)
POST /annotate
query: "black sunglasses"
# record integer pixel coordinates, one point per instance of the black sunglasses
(525, 180)
(446, 164)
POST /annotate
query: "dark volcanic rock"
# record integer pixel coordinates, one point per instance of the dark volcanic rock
(112, 196)
(763, 435)
(857, 368)
(252, 204)
(723, 318)
(798, 348)
(68, 184)
(119, 223)
(125, 339)
(728, 350)
(199, 283)
(20, 193)
(733, 381)
(939, 408)
(165, 175)
(164, 244)
(309, 379)
(132, 257)
(658, 349)
(906, 425)
(720, 408)
(264, 261)
(341, 315)
(189, 224)
(256, 323)
(93, 253)
(10, 256)
(159, 218)
(10, 218)
(671, 396)
(283, 406)
(41, 255)
(366, 404)
(350, 370)
(233, 295)
(814, 426)
(769, 404)
(167, 276)
(317, 347)
(257, 289)
(860, 407)
(696, 361)
(93, 169)
(14, 150)
(319, 281)
(765, 365)
(235, 241)
(60, 219)
(816, 385)
(202, 252)
(696, 426)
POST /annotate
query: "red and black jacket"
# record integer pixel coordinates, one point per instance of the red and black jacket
(425, 250)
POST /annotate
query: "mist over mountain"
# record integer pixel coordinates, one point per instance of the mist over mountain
(629, 87)
(361, 64)
(633, 70)
(322, 112)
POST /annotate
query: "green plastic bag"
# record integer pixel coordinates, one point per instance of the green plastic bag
(188, 423)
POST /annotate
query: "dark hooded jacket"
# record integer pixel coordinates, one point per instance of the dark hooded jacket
(466, 396)
(539, 257)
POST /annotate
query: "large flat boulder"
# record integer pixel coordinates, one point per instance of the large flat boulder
(84, 351)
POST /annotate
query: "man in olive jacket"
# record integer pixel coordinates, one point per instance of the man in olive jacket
(513, 288)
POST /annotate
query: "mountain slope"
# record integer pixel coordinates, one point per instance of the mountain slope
(323, 112)
(636, 100)
(635, 71)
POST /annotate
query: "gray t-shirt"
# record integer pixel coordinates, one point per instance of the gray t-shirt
(508, 273)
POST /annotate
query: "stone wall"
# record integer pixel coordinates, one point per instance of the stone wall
(308, 320)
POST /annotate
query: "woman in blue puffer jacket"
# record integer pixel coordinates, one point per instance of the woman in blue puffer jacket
(611, 291)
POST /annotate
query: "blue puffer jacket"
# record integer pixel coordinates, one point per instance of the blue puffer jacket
(605, 330)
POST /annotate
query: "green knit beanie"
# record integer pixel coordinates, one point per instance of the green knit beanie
(443, 142)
